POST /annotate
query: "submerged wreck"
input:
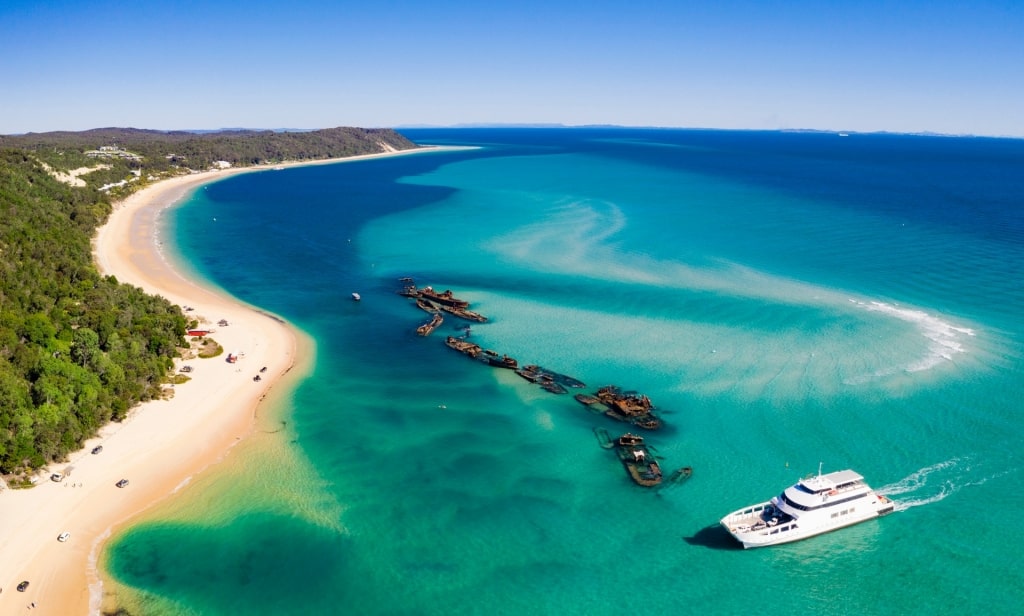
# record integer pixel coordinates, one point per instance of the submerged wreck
(426, 328)
(431, 301)
(463, 346)
(463, 313)
(638, 459)
(426, 305)
(444, 298)
(549, 380)
(631, 408)
(641, 460)
(498, 361)
(475, 351)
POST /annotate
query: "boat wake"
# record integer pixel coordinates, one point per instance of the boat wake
(934, 483)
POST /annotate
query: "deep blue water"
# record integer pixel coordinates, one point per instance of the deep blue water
(784, 298)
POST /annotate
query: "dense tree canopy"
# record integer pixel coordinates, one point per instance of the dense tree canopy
(77, 349)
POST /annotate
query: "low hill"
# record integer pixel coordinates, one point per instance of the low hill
(117, 160)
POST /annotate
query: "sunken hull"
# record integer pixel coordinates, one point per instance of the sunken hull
(427, 328)
(445, 298)
(463, 313)
(499, 361)
(462, 346)
(638, 460)
(544, 379)
(629, 408)
(425, 305)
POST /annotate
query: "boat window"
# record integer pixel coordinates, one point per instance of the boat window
(830, 503)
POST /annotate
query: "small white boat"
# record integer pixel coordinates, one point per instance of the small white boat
(812, 506)
(356, 297)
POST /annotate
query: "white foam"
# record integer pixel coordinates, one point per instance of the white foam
(915, 480)
(581, 238)
(945, 339)
(903, 505)
(594, 240)
(96, 582)
(917, 483)
(181, 485)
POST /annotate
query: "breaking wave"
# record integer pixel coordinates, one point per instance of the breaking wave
(945, 337)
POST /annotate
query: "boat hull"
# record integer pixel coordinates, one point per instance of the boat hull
(742, 524)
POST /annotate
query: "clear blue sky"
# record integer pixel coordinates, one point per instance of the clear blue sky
(942, 66)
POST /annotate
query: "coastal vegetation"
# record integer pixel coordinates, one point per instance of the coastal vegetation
(208, 348)
(118, 160)
(78, 349)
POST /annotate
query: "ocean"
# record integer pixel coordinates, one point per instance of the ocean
(785, 299)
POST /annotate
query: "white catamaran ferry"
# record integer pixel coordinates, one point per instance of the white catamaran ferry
(813, 506)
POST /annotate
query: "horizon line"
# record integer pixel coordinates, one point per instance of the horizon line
(534, 125)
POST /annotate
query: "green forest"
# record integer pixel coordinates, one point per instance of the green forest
(136, 157)
(77, 349)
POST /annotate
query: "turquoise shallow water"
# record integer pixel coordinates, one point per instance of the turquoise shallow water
(785, 299)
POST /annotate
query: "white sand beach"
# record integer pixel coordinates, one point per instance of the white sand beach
(163, 443)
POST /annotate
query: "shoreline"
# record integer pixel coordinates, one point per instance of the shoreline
(162, 444)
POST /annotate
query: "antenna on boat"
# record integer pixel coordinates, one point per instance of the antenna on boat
(819, 469)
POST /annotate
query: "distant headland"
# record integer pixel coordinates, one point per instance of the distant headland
(119, 161)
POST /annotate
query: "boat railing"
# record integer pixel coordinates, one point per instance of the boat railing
(752, 520)
(849, 487)
(750, 515)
